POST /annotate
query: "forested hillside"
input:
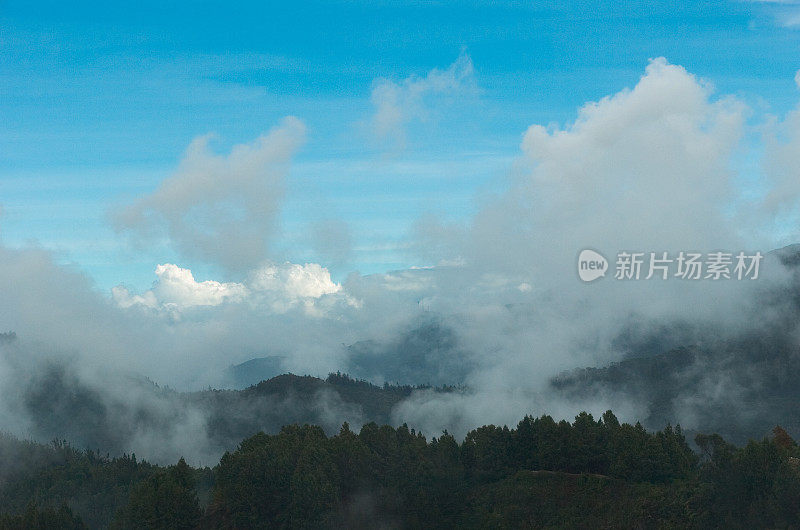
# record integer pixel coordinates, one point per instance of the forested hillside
(594, 473)
(60, 405)
(739, 389)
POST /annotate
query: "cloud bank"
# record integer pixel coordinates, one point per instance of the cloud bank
(646, 169)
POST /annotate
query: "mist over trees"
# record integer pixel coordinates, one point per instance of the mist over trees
(163, 424)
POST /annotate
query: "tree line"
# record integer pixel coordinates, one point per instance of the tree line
(542, 473)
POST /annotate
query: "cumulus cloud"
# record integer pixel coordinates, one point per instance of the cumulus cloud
(221, 209)
(647, 169)
(296, 281)
(273, 287)
(399, 103)
(176, 287)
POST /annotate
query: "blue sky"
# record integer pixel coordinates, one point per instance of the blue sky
(98, 102)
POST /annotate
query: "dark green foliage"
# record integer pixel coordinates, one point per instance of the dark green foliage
(166, 499)
(94, 486)
(546, 499)
(387, 476)
(585, 446)
(756, 486)
(542, 474)
(47, 518)
(257, 483)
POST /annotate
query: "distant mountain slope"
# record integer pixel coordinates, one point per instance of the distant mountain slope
(253, 371)
(739, 383)
(738, 390)
(289, 398)
(428, 353)
(156, 420)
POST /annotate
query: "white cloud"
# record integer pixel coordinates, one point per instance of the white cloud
(649, 167)
(221, 209)
(176, 288)
(295, 281)
(124, 298)
(398, 103)
(276, 287)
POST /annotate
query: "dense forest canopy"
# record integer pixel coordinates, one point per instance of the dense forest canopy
(542, 473)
